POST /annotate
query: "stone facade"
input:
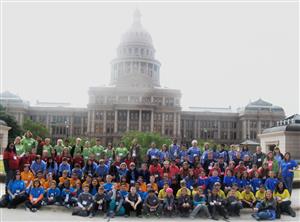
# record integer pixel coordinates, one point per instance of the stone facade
(135, 100)
(286, 135)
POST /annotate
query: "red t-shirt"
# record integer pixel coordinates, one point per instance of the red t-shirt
(13, 160)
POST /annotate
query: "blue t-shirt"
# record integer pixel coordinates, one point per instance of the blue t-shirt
(286, 166)
(271, 183)
(16, 186)
(53, 192)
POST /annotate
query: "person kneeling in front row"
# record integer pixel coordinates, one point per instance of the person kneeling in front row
(85, 203)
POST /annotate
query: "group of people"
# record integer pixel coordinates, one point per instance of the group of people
(173, 179)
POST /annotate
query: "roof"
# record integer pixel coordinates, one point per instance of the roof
(9, 96)
(263, 105)
(208, 109)
(292, 127)
(250, 142)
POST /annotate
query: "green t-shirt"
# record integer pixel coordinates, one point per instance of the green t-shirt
(77, 149)
(121, 152)
(109, 153)
(20, 149)
(28, 143)
(97, 151)
(48, 148)
(58, 149)
(86, 153)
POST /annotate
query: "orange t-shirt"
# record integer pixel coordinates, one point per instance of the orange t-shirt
(27, 177)
(73, 182)
(62, 180)
(143, 187)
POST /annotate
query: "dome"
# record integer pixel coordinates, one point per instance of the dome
(136, 33)
(263, 106)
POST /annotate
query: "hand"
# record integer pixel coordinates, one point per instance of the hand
(13, 196)
(83, 208)
(134, 207)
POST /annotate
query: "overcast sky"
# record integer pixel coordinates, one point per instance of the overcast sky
(217, 54)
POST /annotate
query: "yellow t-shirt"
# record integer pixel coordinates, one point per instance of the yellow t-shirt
(248, 196)
(237, 194)
(221, 194)
(260, 196)
(285, 195)
(162, 194)
(179, 192)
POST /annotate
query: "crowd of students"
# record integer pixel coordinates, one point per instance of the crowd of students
(170, 180)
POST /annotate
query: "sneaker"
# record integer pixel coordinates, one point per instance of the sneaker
(140, 216)
(91, 215)
(126, 215)
(291, 212)
(33, 210)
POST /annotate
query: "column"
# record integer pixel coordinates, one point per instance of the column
(152, 119)
(195, 128)
(82, 125)
(116, 122)
(219, 129)
(248, 129)
(174, 126)
(93, 122)
(163, 101)
(163, 124)
(179, 124)
(127, 123)
(244, 130)
(71, 126)
(140, 120)
(228, 130)
(259, 126)
(89, 122)
(104, 122)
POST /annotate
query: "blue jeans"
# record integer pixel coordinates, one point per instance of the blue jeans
(288, 182)
(266, 214)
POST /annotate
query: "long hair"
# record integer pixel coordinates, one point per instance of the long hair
(7, 149)
(277, 189)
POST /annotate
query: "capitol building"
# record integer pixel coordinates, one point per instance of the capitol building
(135, 100)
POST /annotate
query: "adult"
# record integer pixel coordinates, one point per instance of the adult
(11, 162)
(16, 191)
(77, 147)
(19, 147)
(287, 167)
(283, 198)
(193, 151)
(28, 142)
(134, 153)
(272, 163)
(258, 157)
(174, 150)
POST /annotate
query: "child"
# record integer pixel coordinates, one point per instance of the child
(199, 202)
(115, 202)
(228, 181)
(256, 182)
(213, 179)
(248, 198)
(66, 194)
(84, 203)
(169, 202)
(108, 185)
(94, 186)
(36, 195)
(216, 204)
(282, 196)
(27, 176)
(271, 182)
(260, 194)
(233, 203)
(267, 209)
(151, 204)
(99, 201)
(53, 194)
(64, 166)
(202, 180)
(62, 179)
(184, 202)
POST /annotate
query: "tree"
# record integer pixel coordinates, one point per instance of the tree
(144, 139)
(37, 129)
(10, 120)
